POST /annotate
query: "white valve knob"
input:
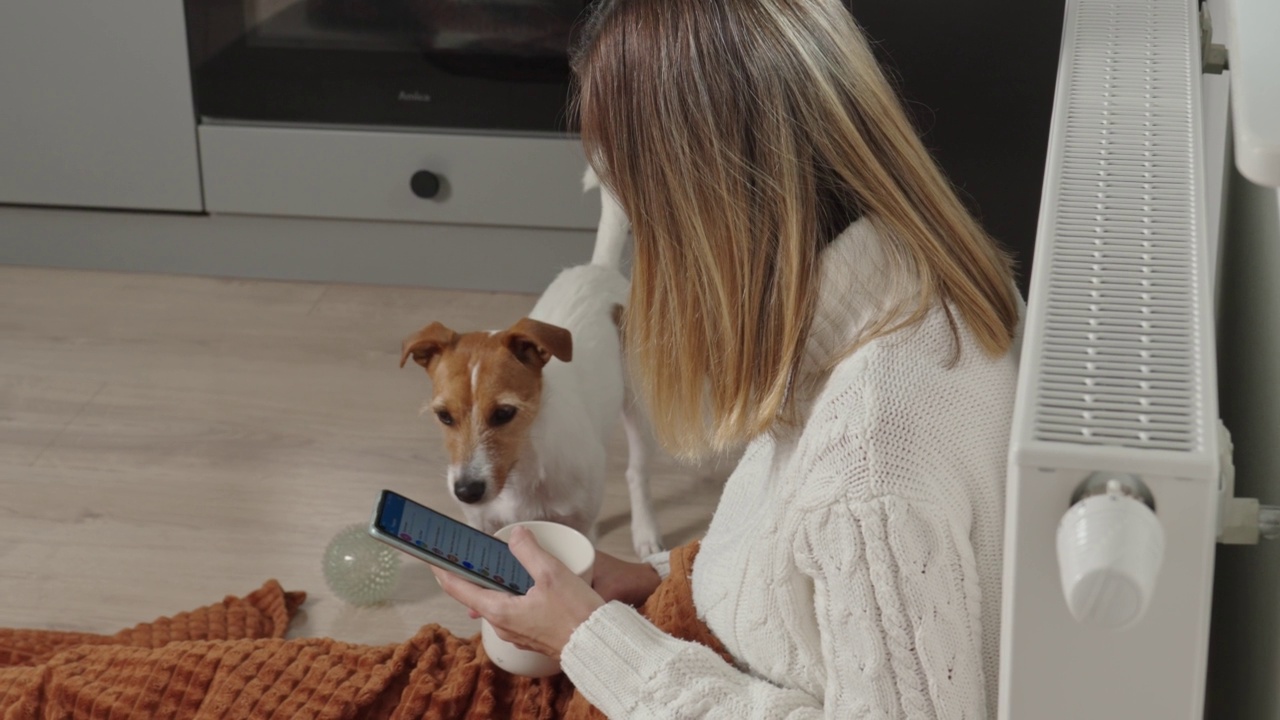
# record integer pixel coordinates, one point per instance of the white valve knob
(1110, 545)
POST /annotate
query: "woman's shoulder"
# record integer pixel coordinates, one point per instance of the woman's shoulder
(938, 354)
(920, 370)
(901, 408)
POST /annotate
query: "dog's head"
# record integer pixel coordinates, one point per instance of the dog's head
(487, 389)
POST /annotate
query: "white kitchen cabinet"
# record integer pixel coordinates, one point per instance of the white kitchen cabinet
(95, 105)
(529, 182)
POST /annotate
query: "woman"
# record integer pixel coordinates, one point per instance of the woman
(805, 282)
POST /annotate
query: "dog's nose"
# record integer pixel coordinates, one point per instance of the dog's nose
(469, 491)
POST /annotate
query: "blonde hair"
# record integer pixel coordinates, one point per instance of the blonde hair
(741, 136)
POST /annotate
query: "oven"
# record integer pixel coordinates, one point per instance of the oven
(475, 66)
(440, 112)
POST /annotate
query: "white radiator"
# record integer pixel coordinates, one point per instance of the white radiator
(1113, 491)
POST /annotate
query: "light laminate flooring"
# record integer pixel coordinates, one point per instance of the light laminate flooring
(166, 441)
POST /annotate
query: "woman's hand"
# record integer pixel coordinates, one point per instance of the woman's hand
(542, 619)
(629, 582)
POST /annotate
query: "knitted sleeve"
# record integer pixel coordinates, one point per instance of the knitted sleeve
(897, 601)
(628, 668)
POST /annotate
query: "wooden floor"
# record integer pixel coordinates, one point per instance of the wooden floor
(166, 441)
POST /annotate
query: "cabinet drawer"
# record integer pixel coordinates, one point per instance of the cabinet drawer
(369, 175)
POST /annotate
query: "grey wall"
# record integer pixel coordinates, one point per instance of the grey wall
(1244, 658)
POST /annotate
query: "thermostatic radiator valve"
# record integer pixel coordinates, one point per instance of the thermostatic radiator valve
(1110, 546)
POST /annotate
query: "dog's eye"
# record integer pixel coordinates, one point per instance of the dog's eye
(445, 417)
(502, 415)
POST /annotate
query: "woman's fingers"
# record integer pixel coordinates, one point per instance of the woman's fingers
(516, 639)
(480, 600)
(524, 545)
(541, 620)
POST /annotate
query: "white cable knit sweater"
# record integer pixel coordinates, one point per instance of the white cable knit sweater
(852, 568)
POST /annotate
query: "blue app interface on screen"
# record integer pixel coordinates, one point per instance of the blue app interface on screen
(459, 544)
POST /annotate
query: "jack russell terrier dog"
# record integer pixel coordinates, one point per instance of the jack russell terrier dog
(527, 411)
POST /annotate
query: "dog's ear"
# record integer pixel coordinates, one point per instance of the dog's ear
(426, 344)
(535, 343)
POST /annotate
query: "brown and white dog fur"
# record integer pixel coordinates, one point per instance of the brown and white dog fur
(527, 411)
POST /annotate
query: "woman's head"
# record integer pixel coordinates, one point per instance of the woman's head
(741, 136)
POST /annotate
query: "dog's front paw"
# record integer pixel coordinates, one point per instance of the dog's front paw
(646, 544)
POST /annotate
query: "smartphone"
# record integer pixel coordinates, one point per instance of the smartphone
(446, 543)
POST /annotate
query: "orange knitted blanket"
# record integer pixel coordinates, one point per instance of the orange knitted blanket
(229, 660)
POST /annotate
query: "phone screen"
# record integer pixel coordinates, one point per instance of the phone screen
(454, 542)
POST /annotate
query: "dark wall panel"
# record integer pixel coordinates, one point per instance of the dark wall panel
(978, 78)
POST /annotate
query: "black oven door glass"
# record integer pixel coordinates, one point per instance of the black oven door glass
(484, 65)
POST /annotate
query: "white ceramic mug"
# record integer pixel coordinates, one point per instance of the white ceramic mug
(571, 548)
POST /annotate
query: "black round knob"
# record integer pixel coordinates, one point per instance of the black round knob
(425, 184)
